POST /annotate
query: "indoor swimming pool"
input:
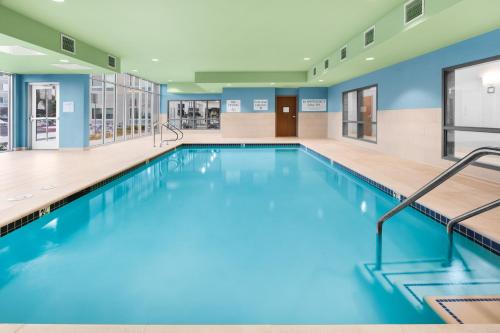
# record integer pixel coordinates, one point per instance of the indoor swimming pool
(234, 235)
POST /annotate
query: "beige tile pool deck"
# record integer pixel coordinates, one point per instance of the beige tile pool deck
(467, 309)
(49, 176)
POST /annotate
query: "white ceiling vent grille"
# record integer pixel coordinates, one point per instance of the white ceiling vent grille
(343, 53)
(68, 44)
(413, 10)
(111, 61)
(369, 36)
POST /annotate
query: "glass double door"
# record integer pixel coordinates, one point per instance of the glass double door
(44, 116)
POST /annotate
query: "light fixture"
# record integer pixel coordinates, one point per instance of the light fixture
(272, 83)
(64, 61)
(155, 60)
(321, 80)
(307, 59)
(228, 84)
(134, 70)
(491, 78)
(58, 0)
(370, 59)
(19, 50)
(170, 80)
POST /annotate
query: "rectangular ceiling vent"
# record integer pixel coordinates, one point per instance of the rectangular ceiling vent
(111, 61)
(314, 71)
(68, 44)
(343, 53)
(369, 36)
(326, 64)
(413, 10)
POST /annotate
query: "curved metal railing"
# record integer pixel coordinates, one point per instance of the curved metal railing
(440, 179)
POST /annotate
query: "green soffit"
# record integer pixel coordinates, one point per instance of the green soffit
(29, 31)
(250, 77)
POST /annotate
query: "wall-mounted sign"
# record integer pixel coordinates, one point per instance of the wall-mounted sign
(260, 105)
(69, 107)
(233, 105)
(314, 105)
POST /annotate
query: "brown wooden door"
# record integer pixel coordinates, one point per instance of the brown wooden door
(286, 116)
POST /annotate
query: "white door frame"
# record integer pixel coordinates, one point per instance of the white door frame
(52, 144)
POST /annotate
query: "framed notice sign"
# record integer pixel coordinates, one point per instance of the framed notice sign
(260, 105)
(233, 105)
(314, 105)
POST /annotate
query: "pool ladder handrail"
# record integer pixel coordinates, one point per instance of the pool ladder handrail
(179, 134)
(440, 179)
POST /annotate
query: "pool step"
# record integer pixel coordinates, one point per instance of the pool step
(416, 291)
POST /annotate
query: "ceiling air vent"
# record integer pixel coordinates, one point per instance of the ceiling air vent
(68, 44)
(327, 64)
(314, 71)
(369, 36)
(343, 53)
(111, 61)
(413, 10)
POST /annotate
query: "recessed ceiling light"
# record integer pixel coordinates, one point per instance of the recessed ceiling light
(134, 70)
(307, 58)
(58, 0)
(321, 80)
(64, 60)
(272, 83)
(370, 59)
(155, 59)
(73, 67)
(20, 51)
(229, 84)
(170, 80)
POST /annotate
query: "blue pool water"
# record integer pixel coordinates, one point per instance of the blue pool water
(233, 236)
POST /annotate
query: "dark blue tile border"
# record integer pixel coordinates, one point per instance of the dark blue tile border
(441, 303)
(470, 234)
(476, 237)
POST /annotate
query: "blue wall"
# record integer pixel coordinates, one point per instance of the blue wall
(416, 83)
(247, 95)
(73, 127)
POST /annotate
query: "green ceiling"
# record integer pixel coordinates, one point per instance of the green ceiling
(190, 36)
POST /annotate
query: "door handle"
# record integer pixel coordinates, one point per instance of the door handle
(293, 116)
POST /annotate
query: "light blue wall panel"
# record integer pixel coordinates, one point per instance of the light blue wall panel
(416, 83)
(247, 95)
(73, 127)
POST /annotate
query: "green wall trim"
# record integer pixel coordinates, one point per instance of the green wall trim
(27, 30)
(250, 77)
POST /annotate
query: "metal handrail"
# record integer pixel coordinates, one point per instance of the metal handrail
(171, 130)
(155, 126)
(176, 129)
(444, 176)
(465, 216)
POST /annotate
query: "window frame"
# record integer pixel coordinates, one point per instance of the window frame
(446, 128)
(358, 90)
(10, 114)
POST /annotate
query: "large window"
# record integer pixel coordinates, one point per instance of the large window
(195, 114)
(359, 115)
(122, 107)
(472, 109)
(5, 112)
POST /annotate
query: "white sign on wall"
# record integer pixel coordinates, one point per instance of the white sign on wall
(314, 105)
(233, 105)
(260, 105)
(68, 106)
